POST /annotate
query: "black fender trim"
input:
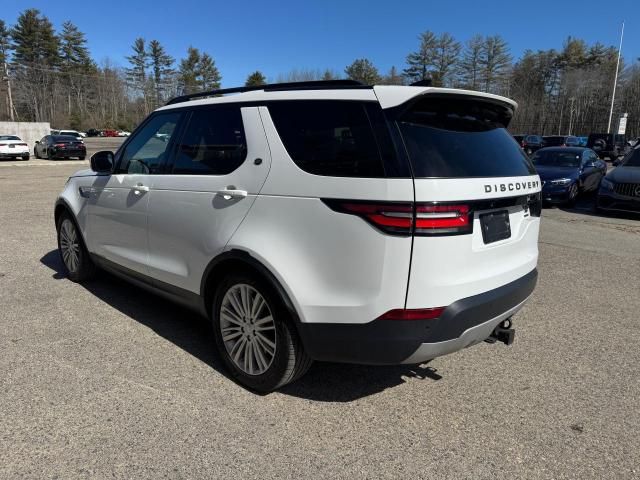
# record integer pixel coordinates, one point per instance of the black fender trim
(243, 256)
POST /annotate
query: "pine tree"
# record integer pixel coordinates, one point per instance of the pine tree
(208, 75)
(137, 73)
(74, 54)
(162, 67)
(446, 57)
(34, 39)
(495, 61)
(469, 67)
(420, 62)
(363, 71)
(188, 71)
(393, 78)
(5, 44)
(255, 79)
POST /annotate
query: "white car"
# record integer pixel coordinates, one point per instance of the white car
(71, 133)
(327, 221)
(12, 146)
(123, 133)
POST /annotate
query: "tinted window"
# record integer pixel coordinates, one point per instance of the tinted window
(330, 138)
(461, 138)
(9, 137)
(557, 158)
(212, 144)
(63, 138)
(147, 149)
(633, 159)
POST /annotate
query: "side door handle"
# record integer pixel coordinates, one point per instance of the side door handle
(139, 189)
(228, 194)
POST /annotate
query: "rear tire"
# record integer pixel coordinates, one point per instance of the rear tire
(26, 157)
(73, 253)
(81, 158)
(255, 334)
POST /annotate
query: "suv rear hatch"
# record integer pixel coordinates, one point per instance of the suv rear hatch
(477, 202)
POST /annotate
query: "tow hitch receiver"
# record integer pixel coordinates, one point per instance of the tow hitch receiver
(503, 333)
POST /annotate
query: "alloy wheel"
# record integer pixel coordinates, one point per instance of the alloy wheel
(248, 329)
(69, 245)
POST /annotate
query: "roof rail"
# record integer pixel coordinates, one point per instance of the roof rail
(310, 85)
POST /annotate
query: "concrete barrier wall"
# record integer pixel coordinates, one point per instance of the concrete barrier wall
(27, 131)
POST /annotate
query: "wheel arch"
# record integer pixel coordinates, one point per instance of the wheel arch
(243, 259)
(62, 206)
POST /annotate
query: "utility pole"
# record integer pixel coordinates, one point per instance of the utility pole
(615, 81)
(6, 77)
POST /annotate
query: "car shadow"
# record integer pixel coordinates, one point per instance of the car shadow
(325, 382)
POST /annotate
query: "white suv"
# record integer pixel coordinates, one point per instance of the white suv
(318, 221)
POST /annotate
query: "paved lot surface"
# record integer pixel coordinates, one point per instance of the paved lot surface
(107, 381)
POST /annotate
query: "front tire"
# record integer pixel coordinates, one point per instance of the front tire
(255, 334)
(73, 253)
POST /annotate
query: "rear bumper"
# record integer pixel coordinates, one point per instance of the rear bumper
(24, 153)
(69, 153)
(388, 342)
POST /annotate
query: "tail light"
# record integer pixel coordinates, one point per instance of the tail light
(3, 144)
(408, 218)
(413, 314)
(22, 144)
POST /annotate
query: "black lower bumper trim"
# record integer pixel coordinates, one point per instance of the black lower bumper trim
(388, 342)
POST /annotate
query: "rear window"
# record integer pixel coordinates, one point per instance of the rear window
(334, 138)
(461, 138)
(9, 137)
(64, 138)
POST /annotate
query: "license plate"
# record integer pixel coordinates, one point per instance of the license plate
(495, 226)
(12, 146)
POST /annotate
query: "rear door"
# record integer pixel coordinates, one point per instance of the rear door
(476, 193)
(220, 164)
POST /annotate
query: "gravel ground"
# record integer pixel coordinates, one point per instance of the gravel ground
(107, 381)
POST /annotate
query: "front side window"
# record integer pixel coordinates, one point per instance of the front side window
(331, 138)
(147, 150)
(213, 143)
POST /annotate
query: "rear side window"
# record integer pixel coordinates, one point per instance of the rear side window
(213, 143)
(449, 138)
(332, 138)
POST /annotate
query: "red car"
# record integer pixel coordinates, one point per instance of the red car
(109, 133)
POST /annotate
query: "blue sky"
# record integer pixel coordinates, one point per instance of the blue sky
(278, 36)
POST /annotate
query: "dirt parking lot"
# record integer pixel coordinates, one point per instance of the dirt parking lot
(107, 381)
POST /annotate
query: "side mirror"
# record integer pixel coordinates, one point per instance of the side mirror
(102, 162)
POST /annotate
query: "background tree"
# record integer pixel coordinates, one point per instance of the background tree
(421, 61)
(494, 61)
(469, 66)
(188, 71)
(137, 73)
(162, 67)
(363, 71)
(5, 43)
(255, 79)
(208, 75)
(392, 78)
(447, 53)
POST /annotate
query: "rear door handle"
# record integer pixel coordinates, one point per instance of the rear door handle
(229, 194)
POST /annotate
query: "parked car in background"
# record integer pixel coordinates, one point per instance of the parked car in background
(60, 146)
(123, 133)
(620, 189)
(607, 145)
(109, 132)
(561, 141)
(582, 141)
(12, 146)
(567, 171)
(94, 132)
(531, 143)
(71, 133)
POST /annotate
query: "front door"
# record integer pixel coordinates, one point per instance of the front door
(117, 220)
(220, 165)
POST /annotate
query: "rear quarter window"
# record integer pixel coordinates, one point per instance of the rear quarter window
(335, 138)
(449, 138)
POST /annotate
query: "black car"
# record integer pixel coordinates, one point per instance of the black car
(561, 141)
(530, 143)
(607, 144)
(59, 146)
(93, 132)
(567, 171)
(620, 189)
